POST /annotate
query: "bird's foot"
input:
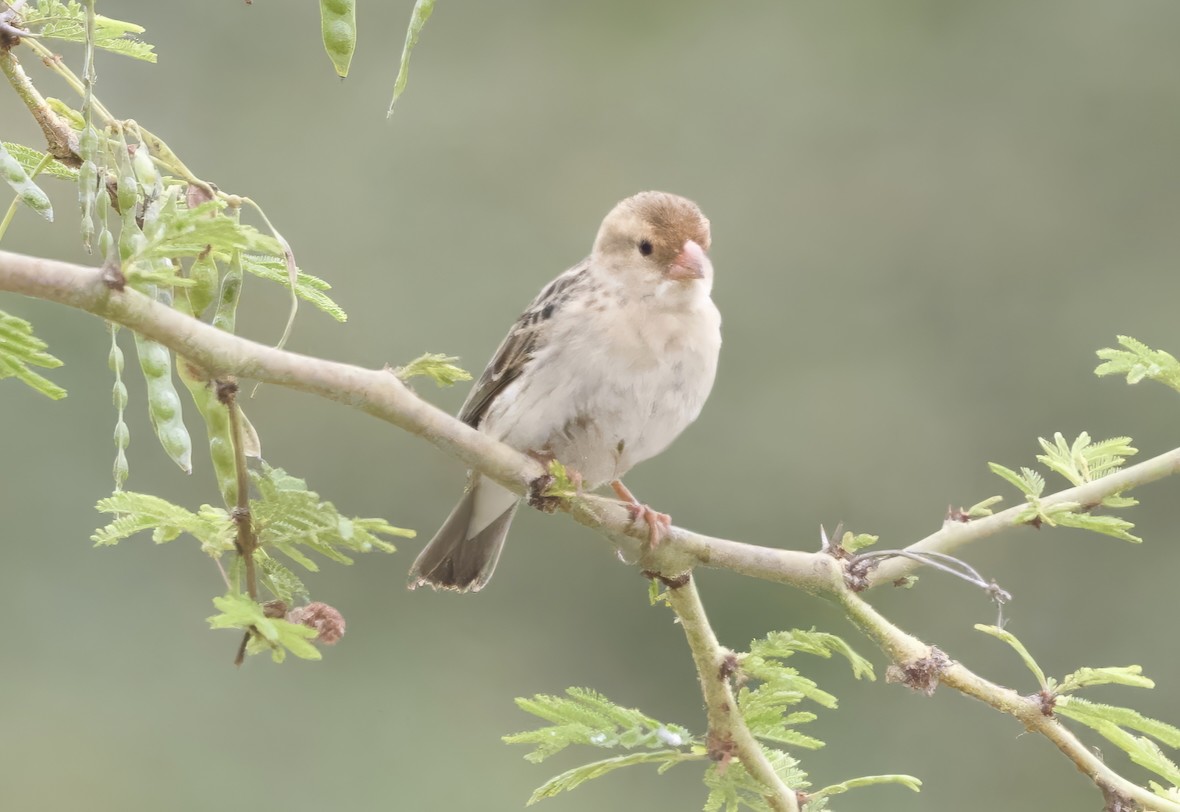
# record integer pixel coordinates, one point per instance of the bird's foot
(657, 523)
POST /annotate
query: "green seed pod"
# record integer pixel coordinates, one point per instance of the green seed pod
(231, 291)
(144, 167)
(122, 435)
(119, 395)
(204, 274)
(121, 469)
(29, 192)
(128, 193)
(216, 416)
(163, 402)
(338, 28)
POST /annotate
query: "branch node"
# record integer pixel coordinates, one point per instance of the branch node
(921, 675)
(112, 276)
(672, 581)
(729, 666)
(226, 390)
(538, 498)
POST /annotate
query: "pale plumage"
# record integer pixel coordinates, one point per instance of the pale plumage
(611, 361)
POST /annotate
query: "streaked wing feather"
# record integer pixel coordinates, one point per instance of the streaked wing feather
(519, 346)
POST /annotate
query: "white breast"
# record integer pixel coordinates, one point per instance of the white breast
(613, 387)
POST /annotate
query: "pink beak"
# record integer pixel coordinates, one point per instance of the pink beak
(689, 263)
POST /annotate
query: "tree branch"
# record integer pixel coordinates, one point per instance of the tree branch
(63, 143)
(728, 735)
(381, 394)
(923, 667)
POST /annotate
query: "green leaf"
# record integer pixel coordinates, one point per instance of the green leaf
(203, 229)
(137, 512)
(288, 516)
(982, 509)
(1018, 647)
(418, 17)
(438, 367)
(1141, 750)
(1107, 525)
(279, 580)
(585, 717)
(579, 775)
(26, 190)
(1093, 714)
(1138, 361)
(53, 19)
(30, 159)
(1131, 675)
(732, 787)
(237, 611)
(784, 644)
(1028, 481)
(19, 349)
(1084, 461)
(855, 542)
(907, 781)
(307, 287)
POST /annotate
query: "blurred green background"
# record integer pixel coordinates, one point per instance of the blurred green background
(926, 216)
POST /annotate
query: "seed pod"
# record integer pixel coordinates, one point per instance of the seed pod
(231, 290)
(88, 181)
(338, 28)
(200, 295)
(119, 396)
(29, 192)
(163, 402)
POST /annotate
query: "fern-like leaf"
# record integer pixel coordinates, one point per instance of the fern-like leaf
(732, 788)
(1130, 675)
(20, 349)
(288, 516)
(307, 287)
(583, 716)
(138, 512)
(237, 611)
(570, 779)
(1094, 714)
(1138, 361)
(54, 19)
(438, 367)
(30, 159)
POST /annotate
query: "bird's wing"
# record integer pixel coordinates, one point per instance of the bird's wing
(523, 341)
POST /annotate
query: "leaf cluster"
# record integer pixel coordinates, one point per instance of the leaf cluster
(766, 700)
(1117, 725)
(290, 520)
(1079, 462)
(20, 349)
(53, 19)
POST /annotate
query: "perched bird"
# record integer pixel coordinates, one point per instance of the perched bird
(611, 361)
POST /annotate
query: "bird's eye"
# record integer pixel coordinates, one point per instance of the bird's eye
(645, 247)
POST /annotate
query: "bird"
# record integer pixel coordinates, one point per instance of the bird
(610, 362)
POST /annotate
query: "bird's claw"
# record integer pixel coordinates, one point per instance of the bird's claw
(658, 523)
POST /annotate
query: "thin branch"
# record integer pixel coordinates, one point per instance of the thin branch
(923, 668)
(954, 535)
(61, 140)
(728, 735)
(246, 541)
(382, 395)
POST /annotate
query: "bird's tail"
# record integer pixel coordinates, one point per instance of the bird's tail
(463, 553)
